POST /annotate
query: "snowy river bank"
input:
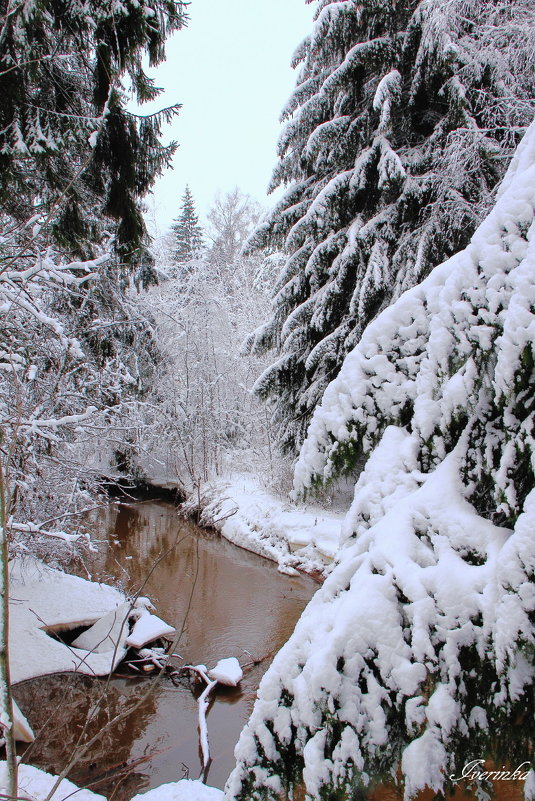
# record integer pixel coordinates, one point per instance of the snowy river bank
(297, 537)
(231, 603)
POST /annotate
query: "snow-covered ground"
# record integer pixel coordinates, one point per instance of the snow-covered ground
(35, 784)
(183, 790)
(295, 536)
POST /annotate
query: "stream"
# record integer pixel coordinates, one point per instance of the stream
(230, 602)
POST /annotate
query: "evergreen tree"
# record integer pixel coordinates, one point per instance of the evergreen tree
(187, 231)
(417, 655)
(69, 149)
(74, 164)
(396, 135)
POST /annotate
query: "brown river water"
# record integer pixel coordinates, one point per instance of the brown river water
(230, 603)
(239, 603)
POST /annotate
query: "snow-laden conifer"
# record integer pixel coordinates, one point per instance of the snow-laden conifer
(69, 148)
(398, 130)
(416, 657)
(188, 235)
(74, 164)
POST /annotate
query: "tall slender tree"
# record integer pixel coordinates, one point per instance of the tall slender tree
(398, 131)
(187, 231)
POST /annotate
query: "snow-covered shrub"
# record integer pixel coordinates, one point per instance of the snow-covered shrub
(203, 418)
(69, 384)
(417, 655)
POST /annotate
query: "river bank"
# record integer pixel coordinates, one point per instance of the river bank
(298, 537)
(227, 600)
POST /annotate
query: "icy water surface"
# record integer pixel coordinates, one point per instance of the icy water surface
(229, 601)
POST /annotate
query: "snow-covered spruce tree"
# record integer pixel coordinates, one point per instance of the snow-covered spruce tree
(418, 653)
(187, 232)
(69, 149)
(400, 126)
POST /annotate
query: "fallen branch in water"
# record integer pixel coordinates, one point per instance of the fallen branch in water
(122, 769)
(203, 706)
(256, 660)
(228, 672)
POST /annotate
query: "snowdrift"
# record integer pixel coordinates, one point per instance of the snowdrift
(44, 601)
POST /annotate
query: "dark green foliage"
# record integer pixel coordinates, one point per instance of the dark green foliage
(61, 72)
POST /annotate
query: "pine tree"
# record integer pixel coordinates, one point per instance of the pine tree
(187, 231)
(69, 149)
(396, 135)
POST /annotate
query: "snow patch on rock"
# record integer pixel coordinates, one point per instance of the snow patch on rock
(227, 671)
(147, 628)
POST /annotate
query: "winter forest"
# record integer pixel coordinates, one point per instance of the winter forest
(301, 429)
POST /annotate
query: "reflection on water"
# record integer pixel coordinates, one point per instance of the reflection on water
(229, 602)
(59, 707)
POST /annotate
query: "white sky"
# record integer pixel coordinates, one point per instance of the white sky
(230, 69)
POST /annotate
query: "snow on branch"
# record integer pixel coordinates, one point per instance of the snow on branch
(228, 672)
(387, 94)
(419, 645)
(54, 423)
(463, 330)
(33, 528)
